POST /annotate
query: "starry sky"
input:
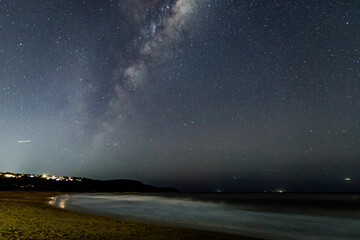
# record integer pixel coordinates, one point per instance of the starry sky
(203, 95)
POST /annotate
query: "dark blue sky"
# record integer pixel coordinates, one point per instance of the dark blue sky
(198, 94)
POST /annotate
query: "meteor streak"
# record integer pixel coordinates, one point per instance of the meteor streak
(24, 141)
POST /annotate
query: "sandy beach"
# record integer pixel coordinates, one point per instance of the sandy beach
(26, 215)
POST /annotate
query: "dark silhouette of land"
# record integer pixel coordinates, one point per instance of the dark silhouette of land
(11, 181)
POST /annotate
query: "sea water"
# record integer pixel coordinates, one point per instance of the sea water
(220, 213)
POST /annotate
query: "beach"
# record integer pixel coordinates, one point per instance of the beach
(27, 215)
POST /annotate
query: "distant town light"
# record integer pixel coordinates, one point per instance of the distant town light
(9, 175)
(44, 176)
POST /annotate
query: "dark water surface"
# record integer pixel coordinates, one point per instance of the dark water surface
(268, 216)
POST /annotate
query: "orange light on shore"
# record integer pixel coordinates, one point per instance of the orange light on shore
(9, 175)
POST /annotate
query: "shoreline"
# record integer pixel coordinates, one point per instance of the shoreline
(27, 215)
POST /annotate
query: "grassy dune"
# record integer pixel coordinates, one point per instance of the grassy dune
(26, 215)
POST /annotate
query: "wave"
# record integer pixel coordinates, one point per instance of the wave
(214, 216)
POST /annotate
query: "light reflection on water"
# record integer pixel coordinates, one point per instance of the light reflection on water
(58, 201)
(213, 216)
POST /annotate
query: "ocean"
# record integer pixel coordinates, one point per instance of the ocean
(266, 216)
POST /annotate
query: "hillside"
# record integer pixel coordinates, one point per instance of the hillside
(12, 181)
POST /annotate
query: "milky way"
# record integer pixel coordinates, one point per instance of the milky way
(198, 94)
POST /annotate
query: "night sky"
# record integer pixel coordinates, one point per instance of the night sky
(203, 95)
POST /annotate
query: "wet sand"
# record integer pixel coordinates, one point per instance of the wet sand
(26, 215)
